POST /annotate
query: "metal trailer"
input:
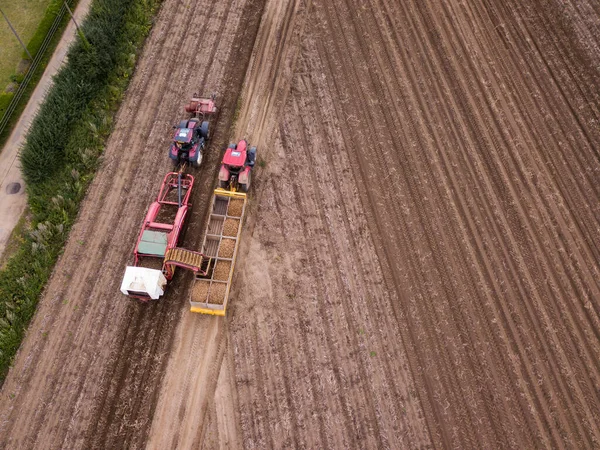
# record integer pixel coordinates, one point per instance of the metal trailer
(210, 292)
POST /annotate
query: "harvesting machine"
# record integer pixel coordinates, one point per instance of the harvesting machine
(213, 266)
(156, 253)
(192, 134)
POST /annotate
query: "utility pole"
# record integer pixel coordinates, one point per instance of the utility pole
(81, 35)
(16, 35)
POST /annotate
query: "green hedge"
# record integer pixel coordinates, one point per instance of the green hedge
(5, 98)
(34, 44)
(62, 149)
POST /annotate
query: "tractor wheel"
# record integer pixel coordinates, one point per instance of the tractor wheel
(183, 124)
(197, 161)
(223, 184)
(204, 130)
(233, 146)
(245, 186)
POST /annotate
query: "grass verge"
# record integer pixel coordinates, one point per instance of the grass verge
(61, 152)
(34, 46)
(26, 16)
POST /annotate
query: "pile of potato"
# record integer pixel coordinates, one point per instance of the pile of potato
(226, 248)
(200, 291)
(235, 207)
(222, 270)
(230, 227)
(217, 293)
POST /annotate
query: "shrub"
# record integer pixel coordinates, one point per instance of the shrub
(5, 98)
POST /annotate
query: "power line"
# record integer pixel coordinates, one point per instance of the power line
(16, 35)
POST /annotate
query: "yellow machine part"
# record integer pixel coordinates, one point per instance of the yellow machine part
(226, 193)
(212, 312)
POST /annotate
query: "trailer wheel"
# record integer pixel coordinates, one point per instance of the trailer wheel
(204, 130)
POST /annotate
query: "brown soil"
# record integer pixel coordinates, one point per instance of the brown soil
(235, 207)
(89, 372)
(221, 271)
(428, 277)
(217, 293)
(231, 226)
(200, 291)
(226, 248)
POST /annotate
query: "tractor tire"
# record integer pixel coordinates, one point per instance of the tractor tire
(197, 160)
(204, 130)
(223, 184)
(244, 187)
(233, 146)
(183, 124)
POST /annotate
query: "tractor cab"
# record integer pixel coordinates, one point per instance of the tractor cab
(188, 142)
(234, 159)
(183, 137)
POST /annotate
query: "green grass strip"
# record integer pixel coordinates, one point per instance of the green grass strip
(33, 46)
(62, 149)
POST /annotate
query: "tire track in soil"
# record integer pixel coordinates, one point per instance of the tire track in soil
(235, 76)
(356, 424)
(152, 332)
(518, 269)
(538, 251)
(89, 262)
(110, 314)
(463, 205)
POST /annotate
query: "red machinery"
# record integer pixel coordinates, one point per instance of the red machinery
(201, 107)
(159, 237)
(236, 167)
(192, 135)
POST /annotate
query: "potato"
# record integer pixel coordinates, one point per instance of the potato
(222, 271)
(230, 228)
(199, 291)
(217, 293)
(235, 207)
(226, 248)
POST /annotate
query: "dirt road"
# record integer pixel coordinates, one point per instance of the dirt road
(419, 267)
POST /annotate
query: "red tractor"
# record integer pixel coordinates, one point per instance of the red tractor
(236, 167)
(192, 135)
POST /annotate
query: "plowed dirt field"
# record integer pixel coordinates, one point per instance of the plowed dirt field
(419, 266)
